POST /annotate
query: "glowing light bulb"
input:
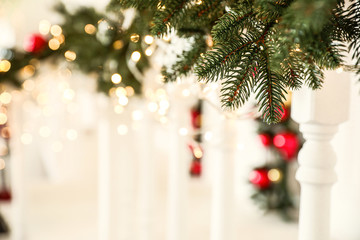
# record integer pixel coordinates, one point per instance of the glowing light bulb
(5, 98)
(148, 51)
(118, 109)
(90, 29)
(55, 30)
(5, 65)
(44, 27)
(116, 78)
(54, 44)
(135, 56)
(123, 100)
(70, 55)
(134, 37)
(149, 39)
(274, 175)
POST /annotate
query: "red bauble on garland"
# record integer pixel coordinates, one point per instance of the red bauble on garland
(259, 178)
(35, 43)
(195, 169)
(288, 144)
(195, 118)
(266, 139)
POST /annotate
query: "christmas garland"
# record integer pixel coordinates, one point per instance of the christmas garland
(262, 46)
(91, 42)
(271, 180)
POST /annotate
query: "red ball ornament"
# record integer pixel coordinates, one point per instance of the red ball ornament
(266, 139)
(195, 118)
(35, 43)
(285, 113)
(195, 169)
(259, 178)
(5, 195)
(288, 144)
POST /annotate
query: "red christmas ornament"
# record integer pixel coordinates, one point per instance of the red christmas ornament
(5, 195)
(288, 144)
(266, 139)
(259, 178)
(285, 113)
(35, 43)
(195, 118)
(195, 169)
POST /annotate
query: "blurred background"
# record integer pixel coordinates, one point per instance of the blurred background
(96, 146)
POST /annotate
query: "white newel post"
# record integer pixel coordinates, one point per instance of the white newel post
(319, 113)
(222, 209)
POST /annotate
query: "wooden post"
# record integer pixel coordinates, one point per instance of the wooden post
(319, 113)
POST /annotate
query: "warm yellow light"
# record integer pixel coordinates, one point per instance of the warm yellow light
(28, 71)
(3, 118)
(44, 27)
(5, 65)
(118, 44)
(116, 78)
(123, 100)
(166, 38)
(120, 91)
(5, 98)
(90, 29)
(69, 94)
(149, 39)
(130, 91)
(118, 109)
(274, 175)
(198, 152)
(134, 37)
(61, 38)
(55, 30)
(54, 44)
(70, 55)
(148, 51)
(135, 56)
(29, 85)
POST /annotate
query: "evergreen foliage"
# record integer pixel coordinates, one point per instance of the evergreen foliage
(261, 46)
(104, 51)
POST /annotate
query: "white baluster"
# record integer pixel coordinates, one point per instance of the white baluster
(222, 210)
(146, 165)
(319, 114)
(104, 172)
(18, 184)
(178, 166)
